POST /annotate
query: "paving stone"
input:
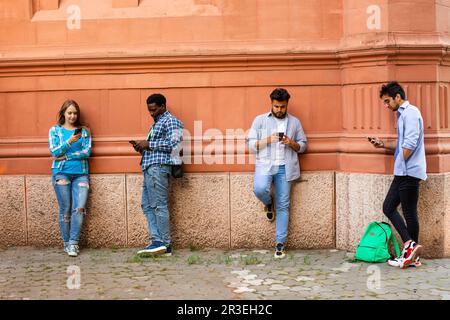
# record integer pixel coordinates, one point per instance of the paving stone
(248, 277)
(300, 288)
(255, 282)
(302, 278)
(243, 289)
(269, 281)
(267, 293)
(278, 287)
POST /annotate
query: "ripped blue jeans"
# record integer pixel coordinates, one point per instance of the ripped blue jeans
(155, 193)
(72, 193)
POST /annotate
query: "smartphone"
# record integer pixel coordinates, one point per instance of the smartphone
(77, 131)
(376, 142)
(280, 135)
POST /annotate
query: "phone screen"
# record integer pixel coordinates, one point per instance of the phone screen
(77, 131)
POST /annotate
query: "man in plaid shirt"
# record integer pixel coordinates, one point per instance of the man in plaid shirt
(159, 152)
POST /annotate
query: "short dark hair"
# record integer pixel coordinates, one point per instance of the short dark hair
(156, 98)
(392, 89)
(280, 94)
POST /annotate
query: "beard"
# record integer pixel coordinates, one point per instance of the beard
(279, 115)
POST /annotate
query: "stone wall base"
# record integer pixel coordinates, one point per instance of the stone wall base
(219, 210)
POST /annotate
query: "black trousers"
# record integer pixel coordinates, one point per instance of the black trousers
(404, 190)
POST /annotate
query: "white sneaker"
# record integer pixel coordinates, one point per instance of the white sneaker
(73, 250)
(279, 251)
(395, 262)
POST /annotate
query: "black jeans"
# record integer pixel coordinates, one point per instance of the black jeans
(404, 190)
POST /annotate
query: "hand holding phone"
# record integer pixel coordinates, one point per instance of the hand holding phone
(134, 144)
(377, 143)
(280, 135)
(75, 136)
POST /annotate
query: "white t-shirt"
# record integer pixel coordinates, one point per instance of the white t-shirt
(278, 152)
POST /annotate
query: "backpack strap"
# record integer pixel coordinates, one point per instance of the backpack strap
(394, 242)
(385, 233)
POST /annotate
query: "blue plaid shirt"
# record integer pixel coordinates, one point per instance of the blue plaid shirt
(58, 147)
(164, 139)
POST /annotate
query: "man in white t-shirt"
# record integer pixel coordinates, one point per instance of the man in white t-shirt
(277, 138)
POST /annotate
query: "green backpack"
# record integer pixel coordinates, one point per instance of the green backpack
(373, 246)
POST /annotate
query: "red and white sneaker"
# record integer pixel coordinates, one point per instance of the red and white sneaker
(412, 252)
(416, 263)
(397, 262)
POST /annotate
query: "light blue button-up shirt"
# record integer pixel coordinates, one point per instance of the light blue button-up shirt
(265, 125)
(410, 133)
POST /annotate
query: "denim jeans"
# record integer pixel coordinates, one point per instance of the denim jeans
(155, 193)
(261, 188)
(72, 193)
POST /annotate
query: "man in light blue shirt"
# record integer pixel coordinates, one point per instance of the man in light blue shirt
(277, 138)
(409, 168)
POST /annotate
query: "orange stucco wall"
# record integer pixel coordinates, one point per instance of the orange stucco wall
(217, 62)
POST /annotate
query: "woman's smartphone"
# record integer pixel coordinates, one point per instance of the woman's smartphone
(77, 131)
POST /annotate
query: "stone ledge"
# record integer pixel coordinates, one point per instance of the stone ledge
(219, 210)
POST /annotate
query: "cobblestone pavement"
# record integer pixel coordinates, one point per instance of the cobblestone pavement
(48, 273)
